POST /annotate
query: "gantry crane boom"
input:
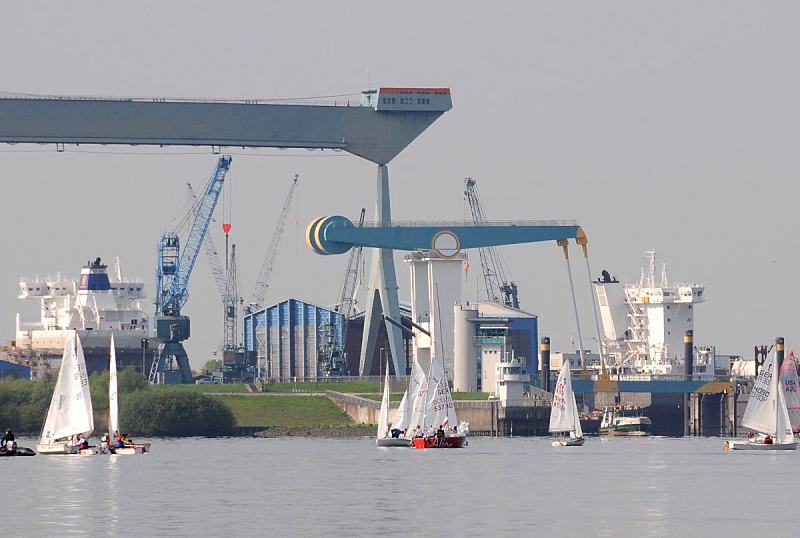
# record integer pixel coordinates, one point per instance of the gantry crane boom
(265, 275)
(232, 302)
(212, 254)
(498, 287)
(174, 268)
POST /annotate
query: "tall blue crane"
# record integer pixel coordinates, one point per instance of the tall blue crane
(175, 265)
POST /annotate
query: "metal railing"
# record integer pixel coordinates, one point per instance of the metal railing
(469, 223)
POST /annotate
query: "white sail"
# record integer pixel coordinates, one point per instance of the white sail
(760, 414)
(791, 389)
(383, 418)
(784, 433)
(113, 397)
(564, 411)
(441, 411)
(417, 393)
(403, 414)
(70, 411)
(766, 409)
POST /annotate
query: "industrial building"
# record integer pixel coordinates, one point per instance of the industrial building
(486, 334)
(286, 339)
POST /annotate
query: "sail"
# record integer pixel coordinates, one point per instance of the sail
(403, 414)
(70, 411)
(784, 433)
(113, 398)
(761, 412)
(440, 410)
(417, 392)
(564, 412)
(791, 389)
(383, 418)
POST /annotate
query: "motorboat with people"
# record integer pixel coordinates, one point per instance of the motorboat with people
(624, 420)
(564, 419)
(387, 437)
(70, 419)
(766, 414)
(119, 444)
(9, 447)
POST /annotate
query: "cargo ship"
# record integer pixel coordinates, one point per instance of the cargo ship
(96, 305)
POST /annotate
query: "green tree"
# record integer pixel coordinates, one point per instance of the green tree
(178, 414)
(211, 366)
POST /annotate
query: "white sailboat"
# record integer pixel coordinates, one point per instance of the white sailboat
(766, 413)
(384, 437)
(564, 417)
(70, 413)
(791, 390)
(113, 409)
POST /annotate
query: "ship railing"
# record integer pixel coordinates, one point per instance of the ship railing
(663, 377)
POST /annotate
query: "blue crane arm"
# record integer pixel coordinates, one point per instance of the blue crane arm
(179, 291)
(336, 235)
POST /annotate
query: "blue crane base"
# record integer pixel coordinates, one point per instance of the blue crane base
(170, 365)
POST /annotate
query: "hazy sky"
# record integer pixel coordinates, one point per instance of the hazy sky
(667, 126)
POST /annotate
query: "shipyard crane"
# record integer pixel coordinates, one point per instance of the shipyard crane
(333, 360)
(267, 267)
(175, 265)
(494, 271)
(227, 281)
(232, 302)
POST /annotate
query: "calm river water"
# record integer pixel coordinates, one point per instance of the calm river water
(323, 487)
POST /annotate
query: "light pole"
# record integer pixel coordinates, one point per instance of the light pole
(145, 342)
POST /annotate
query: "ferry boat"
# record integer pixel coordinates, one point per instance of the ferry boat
(97, 305)
(624, 420)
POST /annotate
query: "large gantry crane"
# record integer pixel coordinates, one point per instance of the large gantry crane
(499, 288)
(175, 265)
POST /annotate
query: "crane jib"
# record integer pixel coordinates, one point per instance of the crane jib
(177, 293)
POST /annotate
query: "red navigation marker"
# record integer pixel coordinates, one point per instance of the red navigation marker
(226, 227)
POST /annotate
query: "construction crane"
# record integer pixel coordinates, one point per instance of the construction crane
(226, 279)
(265, 275)
(499, 288)
(232, 303)
(333, 360)
(212, 254)
(175, 265)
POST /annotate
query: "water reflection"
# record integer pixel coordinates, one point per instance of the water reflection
(316, 487)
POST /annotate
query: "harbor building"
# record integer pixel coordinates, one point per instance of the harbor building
(487, 334)
(286, 339)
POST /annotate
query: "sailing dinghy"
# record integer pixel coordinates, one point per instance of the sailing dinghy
(384, 437)
(766, 413)
(113, 410)
(564, 417)
(70, 413)
(438, 413)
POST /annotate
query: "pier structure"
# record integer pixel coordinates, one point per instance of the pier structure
(376, 126)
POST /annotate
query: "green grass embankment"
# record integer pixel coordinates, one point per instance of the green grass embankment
(265, 411)
(321, 386)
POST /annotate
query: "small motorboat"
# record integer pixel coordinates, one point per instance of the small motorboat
(128, 450)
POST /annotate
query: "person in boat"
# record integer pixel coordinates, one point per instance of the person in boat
(105, 442)
(396, 433)
(82, 442)
(418, 431)
(440, 432)
(768, 440)
(126, 441)
(750, 434)
(9, 443)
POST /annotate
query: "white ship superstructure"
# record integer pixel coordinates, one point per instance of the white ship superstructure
(644, 324)
(96, 306)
